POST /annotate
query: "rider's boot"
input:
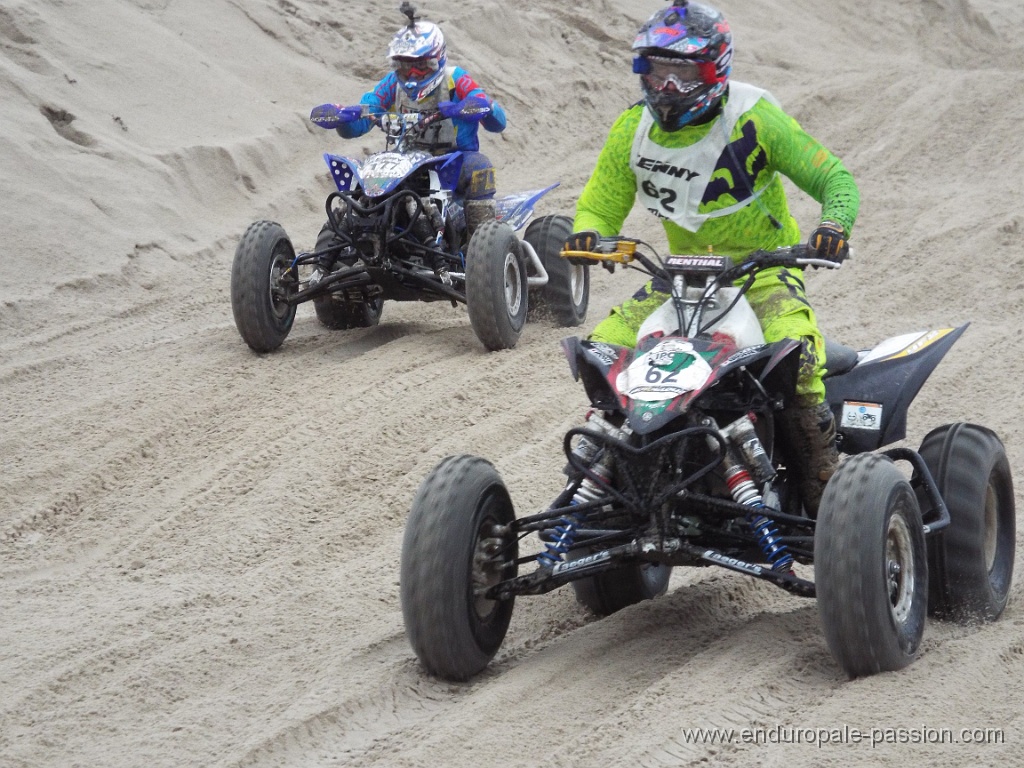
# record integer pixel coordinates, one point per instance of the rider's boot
(811, 434)
(477, 212)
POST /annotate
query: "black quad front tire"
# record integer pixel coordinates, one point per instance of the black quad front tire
(970, 562)
(496, 285)
(567, 294)
(452, 552)
(870, 566)
(260, 283)
(339, 315)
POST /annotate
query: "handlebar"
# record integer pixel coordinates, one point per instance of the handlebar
(617, 250)
(397, 123)
(624, 250)
(799, 255)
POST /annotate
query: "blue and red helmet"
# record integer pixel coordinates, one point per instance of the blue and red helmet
(683, 57)
(419, 55)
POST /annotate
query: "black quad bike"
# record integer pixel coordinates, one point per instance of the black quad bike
(396, 230)
(680, 463)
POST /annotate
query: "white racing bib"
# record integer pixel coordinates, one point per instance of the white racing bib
(440, 135)
(671, 182)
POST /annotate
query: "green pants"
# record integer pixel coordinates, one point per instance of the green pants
(780, 303)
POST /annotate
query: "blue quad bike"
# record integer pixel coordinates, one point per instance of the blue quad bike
(396, 230)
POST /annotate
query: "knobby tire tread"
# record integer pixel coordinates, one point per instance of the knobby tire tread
(547, 235)
(968, 462)
(261, 329)
(485, 288)
(435, 581)
(849, 566)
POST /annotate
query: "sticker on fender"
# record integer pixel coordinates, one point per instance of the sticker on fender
(861, 415)
(671, 369)
(389, 166)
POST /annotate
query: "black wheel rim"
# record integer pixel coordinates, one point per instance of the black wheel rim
(487, 564)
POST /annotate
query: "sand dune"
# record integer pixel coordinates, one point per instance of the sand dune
(199, 546)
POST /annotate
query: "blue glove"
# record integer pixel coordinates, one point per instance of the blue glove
(448, 109)
(333, 115)
(470, 108)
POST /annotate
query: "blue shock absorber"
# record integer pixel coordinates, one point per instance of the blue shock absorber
(745, 492)
(768, 539)
(566, 534)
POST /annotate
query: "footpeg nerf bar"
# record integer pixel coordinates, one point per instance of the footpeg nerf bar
(541, 278)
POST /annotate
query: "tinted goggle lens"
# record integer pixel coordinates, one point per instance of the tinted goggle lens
(684, 75)
(415, 69)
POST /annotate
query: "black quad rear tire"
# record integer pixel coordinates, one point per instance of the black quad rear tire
(496, 285)
(259, 282)
(450, 556)
(340, 315)
(970, 562)
(611, 591)
(567, 294)
(870, 567)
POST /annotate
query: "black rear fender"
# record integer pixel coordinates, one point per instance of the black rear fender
(871, 400)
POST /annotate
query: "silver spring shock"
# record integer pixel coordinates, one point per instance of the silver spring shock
(589, 490)
(589, 452)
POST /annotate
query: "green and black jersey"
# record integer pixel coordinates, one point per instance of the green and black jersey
(736, 201)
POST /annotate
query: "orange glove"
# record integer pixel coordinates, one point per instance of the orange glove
(586, 240)
(829, 242)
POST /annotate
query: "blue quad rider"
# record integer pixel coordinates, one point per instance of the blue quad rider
(422, 81)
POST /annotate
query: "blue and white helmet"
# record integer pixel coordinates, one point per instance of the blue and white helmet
(419, 55)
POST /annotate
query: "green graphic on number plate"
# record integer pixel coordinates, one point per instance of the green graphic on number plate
(671, 369)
